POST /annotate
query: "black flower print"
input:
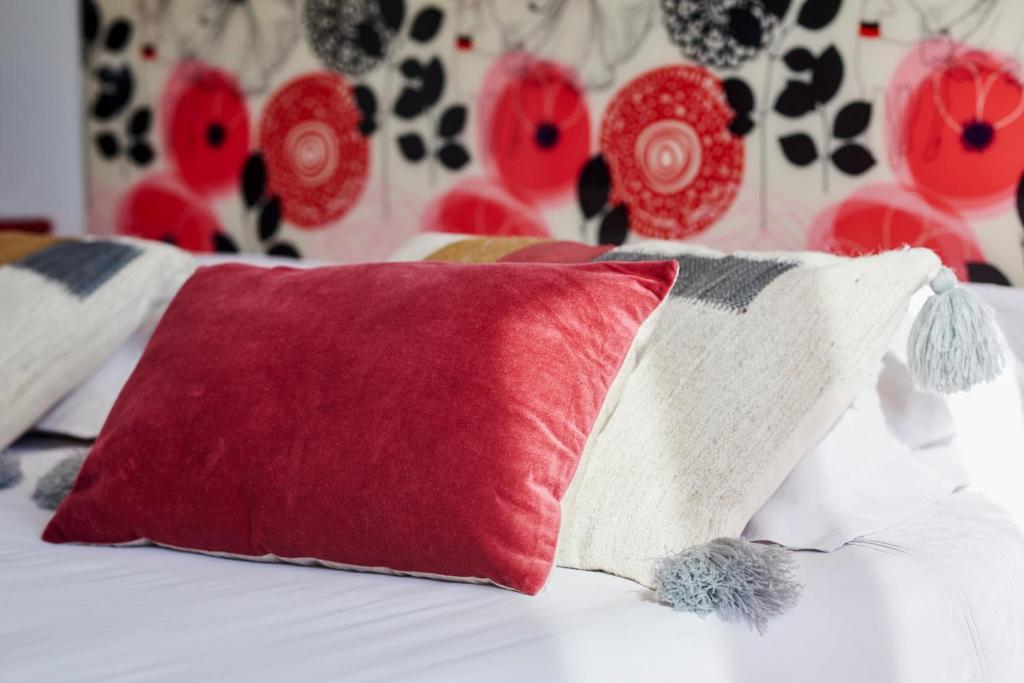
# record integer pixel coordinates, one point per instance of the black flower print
(352, 36)
(725, 33)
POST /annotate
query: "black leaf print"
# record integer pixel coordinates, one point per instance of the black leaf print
(254, 179)
(453, 120)
(817, 14)
(367, 103)
(741, 125)
(614, 226)
(140, 121)
(453, 156)
(978, 271)
(284, 249)
(270, 218)
(412, 147)
(115, 91)
(118, 34)
(107, 145)
(777, 7)
(799, 59)
(433, 83)
(141, 153)
(741, 100)
(392, 13)
(827, 75)
(365, 100)
(795, 100)
(853, 159)
(799, 148)
(411, 67)
(414, 100)
(426, 24)
(853, 119)
(739, 95)
(594, 186)
(90, 22)
(409, 104)
(1020, 200)
(224, 244)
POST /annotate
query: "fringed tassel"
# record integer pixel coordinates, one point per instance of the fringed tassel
(10, 469)
(954, 344)
(732, 577)
(55, 485)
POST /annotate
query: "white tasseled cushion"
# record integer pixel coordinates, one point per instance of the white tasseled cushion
(755, 357)
(67, 307)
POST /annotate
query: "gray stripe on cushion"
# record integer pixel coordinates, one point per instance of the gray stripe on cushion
(82, 267)
(728, 282)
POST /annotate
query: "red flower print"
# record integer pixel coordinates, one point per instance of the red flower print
(673, 161)
(160, 208)
(534, 127)
(883, 217)
(961, 130)
(479, 206)
(206, 127)
(317, 160)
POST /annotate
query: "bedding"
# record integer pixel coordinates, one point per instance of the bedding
(936, 599)
(366, 417)
(66, 306)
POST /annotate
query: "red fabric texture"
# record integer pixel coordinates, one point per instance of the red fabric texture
(557, 252)
(418, 417)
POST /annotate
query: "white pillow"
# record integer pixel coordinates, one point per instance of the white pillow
(66, 306)
(82, 413)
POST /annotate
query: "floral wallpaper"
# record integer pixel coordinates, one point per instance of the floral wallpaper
(337, 129)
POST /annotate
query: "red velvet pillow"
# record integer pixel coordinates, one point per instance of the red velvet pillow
(420, 418)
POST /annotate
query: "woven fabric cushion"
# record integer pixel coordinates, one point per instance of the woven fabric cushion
(755, 357)
(65, 306)
(411, 418)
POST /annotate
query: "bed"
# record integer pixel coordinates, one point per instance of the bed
(936, 599)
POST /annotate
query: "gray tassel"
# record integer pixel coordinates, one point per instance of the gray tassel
(55, 485)
(954, 344)
(732, 577)
(10, 469)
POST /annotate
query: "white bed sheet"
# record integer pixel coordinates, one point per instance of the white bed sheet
(939, 598)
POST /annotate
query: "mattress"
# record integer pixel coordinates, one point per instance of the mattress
(938, 598)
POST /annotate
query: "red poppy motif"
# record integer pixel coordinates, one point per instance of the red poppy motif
(317, 160)
(479, 206)
(159, 208)
(206, 127)
(673, 161)
(883, 217)
(535, 127)
(962, 130)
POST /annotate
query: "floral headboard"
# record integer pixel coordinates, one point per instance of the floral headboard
(336, 129)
